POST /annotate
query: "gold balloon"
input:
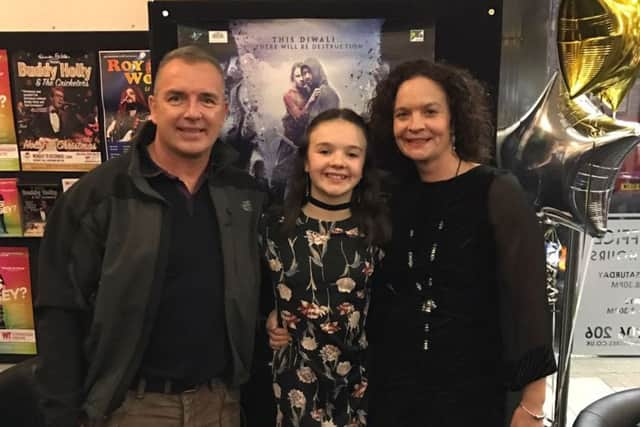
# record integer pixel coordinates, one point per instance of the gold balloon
(613, 95)
(599, 47)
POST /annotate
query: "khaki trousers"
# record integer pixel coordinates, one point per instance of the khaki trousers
(206, 406)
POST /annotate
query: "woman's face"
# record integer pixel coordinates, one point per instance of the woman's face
(421, 121)
(335, 160)
(297, 77)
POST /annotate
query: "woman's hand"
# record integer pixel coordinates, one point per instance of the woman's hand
(522, 419)
(531, 405)
(278, 337)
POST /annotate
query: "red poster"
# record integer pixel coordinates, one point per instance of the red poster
(8, 144)
(17, 334)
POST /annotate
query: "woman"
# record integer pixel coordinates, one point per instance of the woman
(298, 100)
(322, 254)
(460, 315)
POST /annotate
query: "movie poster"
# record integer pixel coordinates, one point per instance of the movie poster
(17, 334)
(281, 73)
(10, 218)
(126, 85)
(56, 103)
(37, 201)
(8, 144)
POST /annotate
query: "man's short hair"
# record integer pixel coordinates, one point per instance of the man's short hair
(54, 89)
(191, 55)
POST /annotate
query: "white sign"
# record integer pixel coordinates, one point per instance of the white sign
(608, 318)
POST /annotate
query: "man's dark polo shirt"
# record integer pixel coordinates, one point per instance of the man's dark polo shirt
(189, 337)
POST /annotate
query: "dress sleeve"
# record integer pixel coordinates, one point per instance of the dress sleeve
(381, 296)
(293, 108)
(524, 312)
(271, 262)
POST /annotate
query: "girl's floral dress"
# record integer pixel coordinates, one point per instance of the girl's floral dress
(321, 276)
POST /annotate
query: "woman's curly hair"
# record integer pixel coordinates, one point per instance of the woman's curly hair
(471, 118)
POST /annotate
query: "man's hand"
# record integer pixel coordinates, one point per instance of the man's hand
(278, 337)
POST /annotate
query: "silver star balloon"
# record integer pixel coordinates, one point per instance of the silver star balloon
(566, 154)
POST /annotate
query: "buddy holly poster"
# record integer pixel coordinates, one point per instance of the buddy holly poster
(281, 73)
(57, 111)
(17, 334)
(125, 78)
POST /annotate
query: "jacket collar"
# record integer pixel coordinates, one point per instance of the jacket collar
(222, 154)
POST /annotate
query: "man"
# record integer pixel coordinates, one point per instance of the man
(55, 121)
(316, 79)
(149, 271)
(298, 100)
(132, 111)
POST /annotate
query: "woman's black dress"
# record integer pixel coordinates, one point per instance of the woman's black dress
(459, 313)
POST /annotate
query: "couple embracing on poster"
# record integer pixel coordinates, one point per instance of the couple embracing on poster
(309, 95)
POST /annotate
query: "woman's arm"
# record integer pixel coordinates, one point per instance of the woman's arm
(524, 312)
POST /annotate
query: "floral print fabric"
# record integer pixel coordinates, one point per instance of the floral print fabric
(321, 279)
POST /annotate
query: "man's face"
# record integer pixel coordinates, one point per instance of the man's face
(57, 98)
(188, 108)
(129, 96)
(307, 77)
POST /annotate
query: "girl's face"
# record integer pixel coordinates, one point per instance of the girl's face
(421, 121)
(335, 159)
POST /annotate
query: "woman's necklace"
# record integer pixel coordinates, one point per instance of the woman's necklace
(458, 168)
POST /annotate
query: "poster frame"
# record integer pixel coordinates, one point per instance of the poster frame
(468, 34)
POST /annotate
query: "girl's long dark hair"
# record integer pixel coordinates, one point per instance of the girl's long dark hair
(368, 209)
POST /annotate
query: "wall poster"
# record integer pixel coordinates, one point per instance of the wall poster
(17, 331)
(125, 81)
(281, 73)
(8, 144)
(57, 111)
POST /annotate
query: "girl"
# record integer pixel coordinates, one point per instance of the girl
(321, 255)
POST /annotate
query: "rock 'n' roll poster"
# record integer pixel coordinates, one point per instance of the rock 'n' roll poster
(125, 77)
(55, 101)
(281, 73)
